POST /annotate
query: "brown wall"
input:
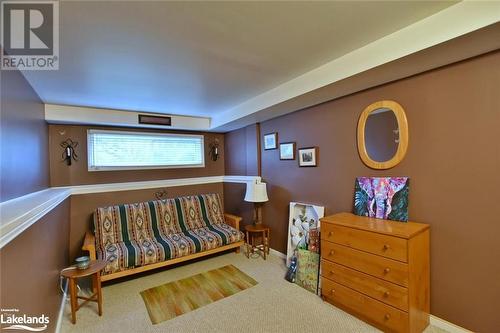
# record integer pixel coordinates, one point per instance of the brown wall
(242, 159)
(234, 204)
(30, 266)
(24, 167)
(78, 174)
(83, 206)
(453, 162)
(241, 147)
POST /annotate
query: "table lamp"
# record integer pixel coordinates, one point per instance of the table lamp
(256, 193)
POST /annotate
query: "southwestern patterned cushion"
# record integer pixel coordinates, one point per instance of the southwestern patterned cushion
(144, 233)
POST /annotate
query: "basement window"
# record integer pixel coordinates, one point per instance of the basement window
(120, 150)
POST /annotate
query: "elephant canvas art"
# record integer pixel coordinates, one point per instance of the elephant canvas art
(382, 197)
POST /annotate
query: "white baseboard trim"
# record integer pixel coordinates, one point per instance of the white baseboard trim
(61, 310)
(434, 321)
(447, 326)
(277, 253)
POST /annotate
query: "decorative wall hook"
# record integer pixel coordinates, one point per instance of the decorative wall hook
(214, 150)
(69, 151)
(160, 195)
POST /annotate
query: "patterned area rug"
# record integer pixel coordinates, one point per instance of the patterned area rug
(178, 297)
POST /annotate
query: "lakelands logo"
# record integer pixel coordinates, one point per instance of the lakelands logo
(16, 321)
(30, 35)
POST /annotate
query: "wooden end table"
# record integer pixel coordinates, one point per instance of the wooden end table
(253, 230)
(94, 270)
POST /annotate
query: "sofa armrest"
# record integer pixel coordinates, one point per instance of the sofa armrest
(233, 220)
(89, 245)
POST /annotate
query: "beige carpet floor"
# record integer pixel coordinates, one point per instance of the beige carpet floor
(273, 305)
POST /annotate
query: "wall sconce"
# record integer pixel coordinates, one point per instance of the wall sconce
(214, 150)
(69, 151)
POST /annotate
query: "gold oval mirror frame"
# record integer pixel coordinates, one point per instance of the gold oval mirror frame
(403, 134)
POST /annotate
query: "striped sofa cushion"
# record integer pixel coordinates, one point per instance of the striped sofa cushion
(132, 235)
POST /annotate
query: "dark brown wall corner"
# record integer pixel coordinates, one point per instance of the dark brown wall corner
(242, 159)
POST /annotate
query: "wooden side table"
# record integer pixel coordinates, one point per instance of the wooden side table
(94, 270)
(253, 230)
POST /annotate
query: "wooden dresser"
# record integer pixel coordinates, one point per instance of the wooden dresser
(377, 270)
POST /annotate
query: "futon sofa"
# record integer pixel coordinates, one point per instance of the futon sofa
(137, 237)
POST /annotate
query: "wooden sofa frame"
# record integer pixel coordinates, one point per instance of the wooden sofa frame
(89, 245)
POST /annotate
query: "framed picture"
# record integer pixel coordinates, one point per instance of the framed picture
(271, 141)
(308, 157)
(287, 151)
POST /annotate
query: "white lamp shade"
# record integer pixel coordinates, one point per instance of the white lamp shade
(256, 192)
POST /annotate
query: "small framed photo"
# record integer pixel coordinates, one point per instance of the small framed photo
(308, 157)
(287, 150)
(271, 141)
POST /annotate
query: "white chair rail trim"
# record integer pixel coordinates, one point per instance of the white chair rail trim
(18, 214)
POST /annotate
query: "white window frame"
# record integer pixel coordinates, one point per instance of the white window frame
(140, 167)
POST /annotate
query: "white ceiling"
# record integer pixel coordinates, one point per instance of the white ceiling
(204, 58)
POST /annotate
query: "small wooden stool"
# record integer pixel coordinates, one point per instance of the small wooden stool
(94, 269)
(265, 233)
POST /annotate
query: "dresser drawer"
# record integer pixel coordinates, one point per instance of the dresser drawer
(387, 246)
(385, 316)
(386, 269)
(381, 290)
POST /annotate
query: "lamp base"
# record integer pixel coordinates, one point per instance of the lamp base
(257, 213)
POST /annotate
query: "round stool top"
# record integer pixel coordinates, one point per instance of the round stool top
(256, 227)
(94, 267)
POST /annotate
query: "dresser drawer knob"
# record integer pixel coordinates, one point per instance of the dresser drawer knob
(332, 252)
(330, 234)
(387, 270)
(387, 316)
(331, 272)
(386, 247)
(332, 291)
(386, 294)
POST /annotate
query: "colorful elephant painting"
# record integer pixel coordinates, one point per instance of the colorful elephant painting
(382, 198)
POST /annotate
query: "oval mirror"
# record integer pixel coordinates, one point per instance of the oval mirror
(382, 135)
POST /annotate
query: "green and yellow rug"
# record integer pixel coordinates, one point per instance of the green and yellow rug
(178, 297)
